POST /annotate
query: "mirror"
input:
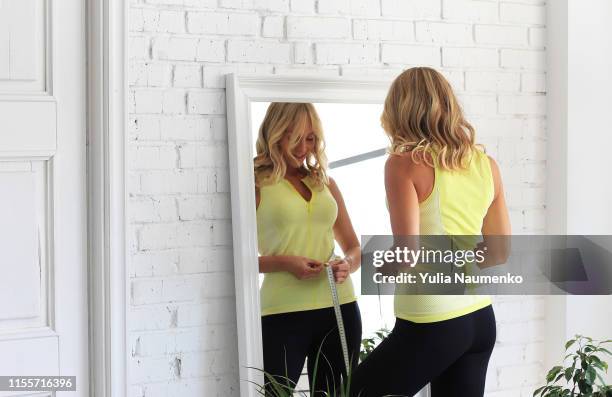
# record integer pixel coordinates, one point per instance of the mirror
(355, 147)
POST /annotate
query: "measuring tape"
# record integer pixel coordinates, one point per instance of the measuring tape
(338, 312)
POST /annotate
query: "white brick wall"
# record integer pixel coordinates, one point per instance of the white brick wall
(182, 310)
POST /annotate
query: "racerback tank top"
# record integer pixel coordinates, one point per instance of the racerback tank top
(456, 206)
(287, 224)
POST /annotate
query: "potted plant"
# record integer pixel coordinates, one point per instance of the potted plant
(583, 378)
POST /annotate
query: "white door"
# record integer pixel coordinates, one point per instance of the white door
(43, 207)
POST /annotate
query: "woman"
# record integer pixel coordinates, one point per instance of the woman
(300, 212)
(438, 182)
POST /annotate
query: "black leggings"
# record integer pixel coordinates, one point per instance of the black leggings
(288, 338)
(453, 355)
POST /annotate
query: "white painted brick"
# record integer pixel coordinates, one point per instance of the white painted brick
(173, 102)
(174, 48)
(414, 9)
(152, 157)
(201, 3)
(162, 209)
(500, 35)
(519, 375)
(144, 128)
(222, 181)
(349, 7)
(206, 102)
(171, 22)
(381, 30)
(155, 263)
(533, 82)
(222, 233)
(492, 81)
(236, 3)
(272, 5)
(470, 57)
(221, 209)
(146, 291)
(273, 26)
(165, 2)
(234, 24)
(197, 156)
(470, 10)
(317, 27)
(150, 74)
(215, 311)
(439, 32)
(181, 128)
(522, 13)
(410, 54)
(137, 75)
(258, 51)
(148, 101)
(145, 318)
(506, 355)
(303, 53)
(537, 37)
(535, 352)
(303, 6)
(525, 104)
(138, 47)
(187, 76)
(489, 126)
(135, 20)
(150, 369)
(195, 208)
(478, 104)
(307, 70)
(210, 50)
(456, 78)
(215, 75)
(164, 182)
(175, 235)
(343, 53)
(150, 18)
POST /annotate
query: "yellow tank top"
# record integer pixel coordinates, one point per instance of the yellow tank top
(287, 224)
(456, 206)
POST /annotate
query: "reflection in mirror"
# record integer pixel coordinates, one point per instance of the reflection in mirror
(295, 218)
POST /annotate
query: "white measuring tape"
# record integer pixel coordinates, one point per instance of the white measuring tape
(338, 312)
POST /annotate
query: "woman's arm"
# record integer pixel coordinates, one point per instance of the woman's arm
(403, 200)
(346, 237)
(496, 228)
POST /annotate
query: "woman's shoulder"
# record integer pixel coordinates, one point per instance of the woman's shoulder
(408, 163)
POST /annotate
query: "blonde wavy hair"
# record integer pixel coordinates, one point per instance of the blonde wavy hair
(270, 165)
(422, 115)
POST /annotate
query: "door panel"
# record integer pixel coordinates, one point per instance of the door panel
(43, 261)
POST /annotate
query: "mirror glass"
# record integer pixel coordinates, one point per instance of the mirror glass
(355, 146)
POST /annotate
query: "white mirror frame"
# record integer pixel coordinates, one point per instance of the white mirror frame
(240, 92)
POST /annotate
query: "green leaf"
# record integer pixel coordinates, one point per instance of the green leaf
(590, 375)
(569, 343)
(568, 373)
(553, 372)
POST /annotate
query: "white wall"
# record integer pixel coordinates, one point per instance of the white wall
(182, 312)
(581, 55)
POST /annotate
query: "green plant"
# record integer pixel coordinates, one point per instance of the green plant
(369, 344)
(579, 378)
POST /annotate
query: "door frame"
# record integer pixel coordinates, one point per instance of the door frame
(106, 124)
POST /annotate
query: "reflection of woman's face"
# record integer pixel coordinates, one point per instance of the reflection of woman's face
(304, 147)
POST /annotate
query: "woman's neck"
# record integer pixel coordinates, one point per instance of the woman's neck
(294, 171)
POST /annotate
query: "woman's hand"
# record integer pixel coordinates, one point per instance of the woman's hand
(303, 268)
(341, 269)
